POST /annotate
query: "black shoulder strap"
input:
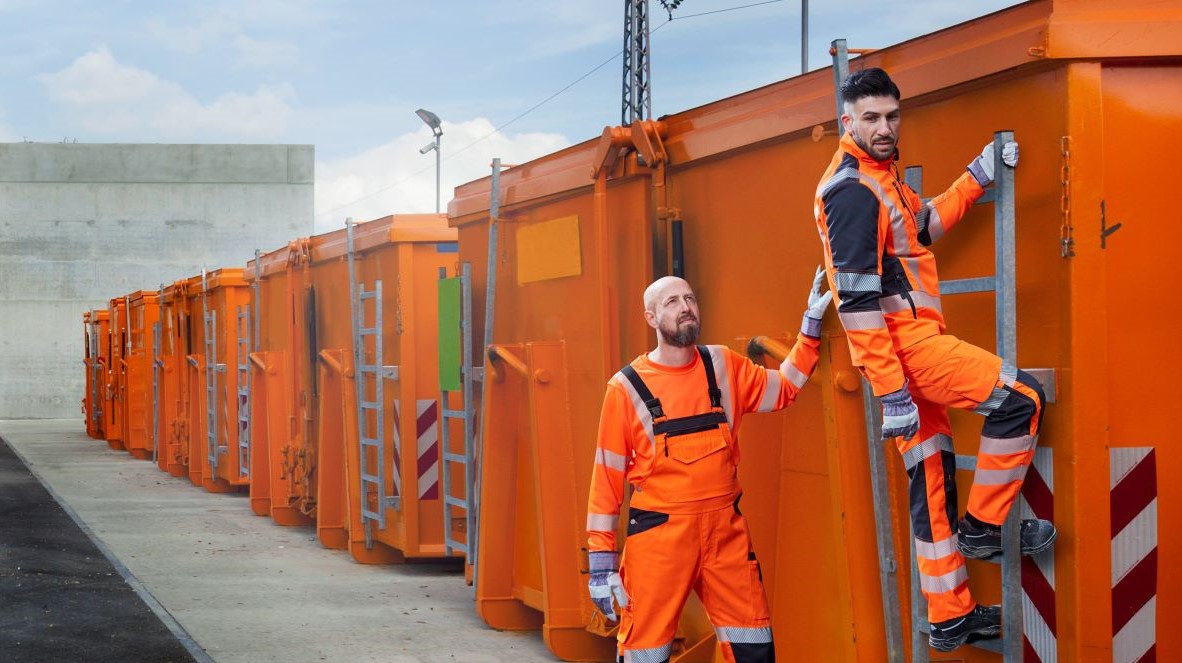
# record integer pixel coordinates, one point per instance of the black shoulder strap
(711, 380)
(650, 402)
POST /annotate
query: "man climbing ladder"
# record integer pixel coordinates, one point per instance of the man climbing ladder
(876, 231)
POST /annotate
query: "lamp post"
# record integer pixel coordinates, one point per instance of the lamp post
(432, 120)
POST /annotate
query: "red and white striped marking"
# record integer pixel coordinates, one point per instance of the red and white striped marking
(1038, 571)
(427, 446)
(1133, 477)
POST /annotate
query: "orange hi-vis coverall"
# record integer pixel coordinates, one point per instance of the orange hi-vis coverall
(671, 433)
(876, 231)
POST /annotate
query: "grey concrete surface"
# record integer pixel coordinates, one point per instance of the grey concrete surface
(81, 224)
(247, 590)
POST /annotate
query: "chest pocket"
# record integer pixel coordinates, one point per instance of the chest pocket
(690, 439)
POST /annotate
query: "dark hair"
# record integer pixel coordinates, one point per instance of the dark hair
(872, 82)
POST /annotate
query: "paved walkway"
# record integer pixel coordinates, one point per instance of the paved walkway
(233, 586)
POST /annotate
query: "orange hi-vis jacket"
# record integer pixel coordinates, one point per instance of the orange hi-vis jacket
(876, 231)
(697, 477)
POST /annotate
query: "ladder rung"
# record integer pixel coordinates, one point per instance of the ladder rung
(370, 405)
(454, 458)
(453, 414)
(995, 645)
(369, 478)
(370, 442)
(966, 462)
(368, 331)
(962, 286)
(368, 294)
(455, 501)
(367, 368)
(451, 543)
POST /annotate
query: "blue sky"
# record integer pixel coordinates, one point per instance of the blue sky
(347, 76)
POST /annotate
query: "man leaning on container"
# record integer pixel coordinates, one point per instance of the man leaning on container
(669, 429)
(876, 231)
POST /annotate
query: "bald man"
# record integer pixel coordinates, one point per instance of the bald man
(669, 430)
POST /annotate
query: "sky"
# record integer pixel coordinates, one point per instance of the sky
(509, 78)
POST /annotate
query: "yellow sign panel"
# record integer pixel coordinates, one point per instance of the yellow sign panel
(548, 250)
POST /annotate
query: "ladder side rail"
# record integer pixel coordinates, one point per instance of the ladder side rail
(887, 563)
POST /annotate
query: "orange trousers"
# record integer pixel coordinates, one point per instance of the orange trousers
(666, 556)
(942, 372)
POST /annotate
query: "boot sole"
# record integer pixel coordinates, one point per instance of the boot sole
(987, 552)
(951, 644)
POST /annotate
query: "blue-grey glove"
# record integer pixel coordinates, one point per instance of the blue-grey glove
(899, 414)
(982, 166)
(605, 582)
(811, 324)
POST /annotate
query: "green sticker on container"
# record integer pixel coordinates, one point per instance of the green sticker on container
(449, 334)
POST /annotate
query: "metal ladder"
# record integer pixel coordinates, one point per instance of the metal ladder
(212, 368)
(467, 459)
(1003, 284)
(244, 392)
(368, 379)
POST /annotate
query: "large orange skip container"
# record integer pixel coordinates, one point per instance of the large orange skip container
(96, 326)
(144, 312)
(381, 499)
(115, 403)
(172, 418)
(1086, 87)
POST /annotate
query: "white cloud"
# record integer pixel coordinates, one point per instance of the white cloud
(102, 96)
(393, 178)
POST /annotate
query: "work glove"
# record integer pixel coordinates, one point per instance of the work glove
(811, 324)
(899, 415)
(605, 582)
(982, 166)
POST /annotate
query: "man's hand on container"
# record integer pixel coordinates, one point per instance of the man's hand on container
(811, 324)
(899, 415)
(605, 582)
(982, 166)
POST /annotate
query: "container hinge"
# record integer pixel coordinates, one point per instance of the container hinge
(1066, 241)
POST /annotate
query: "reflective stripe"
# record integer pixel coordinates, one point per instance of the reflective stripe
(1004, 446)
(794, 376)
(945, 583)
(848, 173)
(994, 401)
(651, 655)
(913, 266)
(924, 300)
(602, 522)
(752, 635)
(935, 225)
(999, 477)
(642, 413)
(929, 447)
(724, 382)
(858, 282)
(771, 391)
(858, 320)
(899, 303)
(611, 459)
(898, 228)
(1008, 374)
(937, 550)
(894, 304)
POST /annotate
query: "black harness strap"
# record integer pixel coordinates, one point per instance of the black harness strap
(681, 425)
(711, 380)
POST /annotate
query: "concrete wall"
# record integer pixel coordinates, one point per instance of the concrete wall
(81, 224)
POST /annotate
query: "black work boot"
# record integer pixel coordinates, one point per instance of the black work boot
(981, 622)
(1035, 536)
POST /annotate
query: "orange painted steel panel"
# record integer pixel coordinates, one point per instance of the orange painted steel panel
(407, 254)
(741, 173)
(97, 328)
(145, 312)
(115, 400)
(175, 341)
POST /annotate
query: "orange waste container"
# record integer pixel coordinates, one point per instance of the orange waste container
(116, 397)
(1085, 86)
(144, 312)
(173, 404)
(380, 497)
(283, 400)
(92, 397)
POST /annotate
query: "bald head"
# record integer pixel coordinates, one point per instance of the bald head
(672, 310)
(656, 290)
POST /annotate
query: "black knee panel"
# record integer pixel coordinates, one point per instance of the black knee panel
(1012, 417)
(764, 652)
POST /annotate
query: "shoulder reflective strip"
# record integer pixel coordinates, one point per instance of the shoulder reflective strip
(602, 522)
(611, 459)
(935, 225)
(838, 177)
(998, 477)
(771, 391)
(856, 282)
(937, 550)
(857, 320)
(1005, 446)
(751, 635)
(1008, 374)
(794, 376)
(898, 227)
(651, 655)
(646, 419)
(994, 401)
(724, 382)
(945, 583)
(929, 447)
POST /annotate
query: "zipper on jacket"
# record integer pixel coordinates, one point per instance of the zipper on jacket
(904, 285)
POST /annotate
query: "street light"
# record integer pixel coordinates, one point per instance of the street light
(432, 121)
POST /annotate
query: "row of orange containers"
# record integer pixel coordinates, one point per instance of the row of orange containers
(724, 193)
(245, 379)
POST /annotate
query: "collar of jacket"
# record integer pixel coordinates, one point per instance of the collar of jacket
(848, 145)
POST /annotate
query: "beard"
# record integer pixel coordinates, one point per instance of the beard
(683, 335)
